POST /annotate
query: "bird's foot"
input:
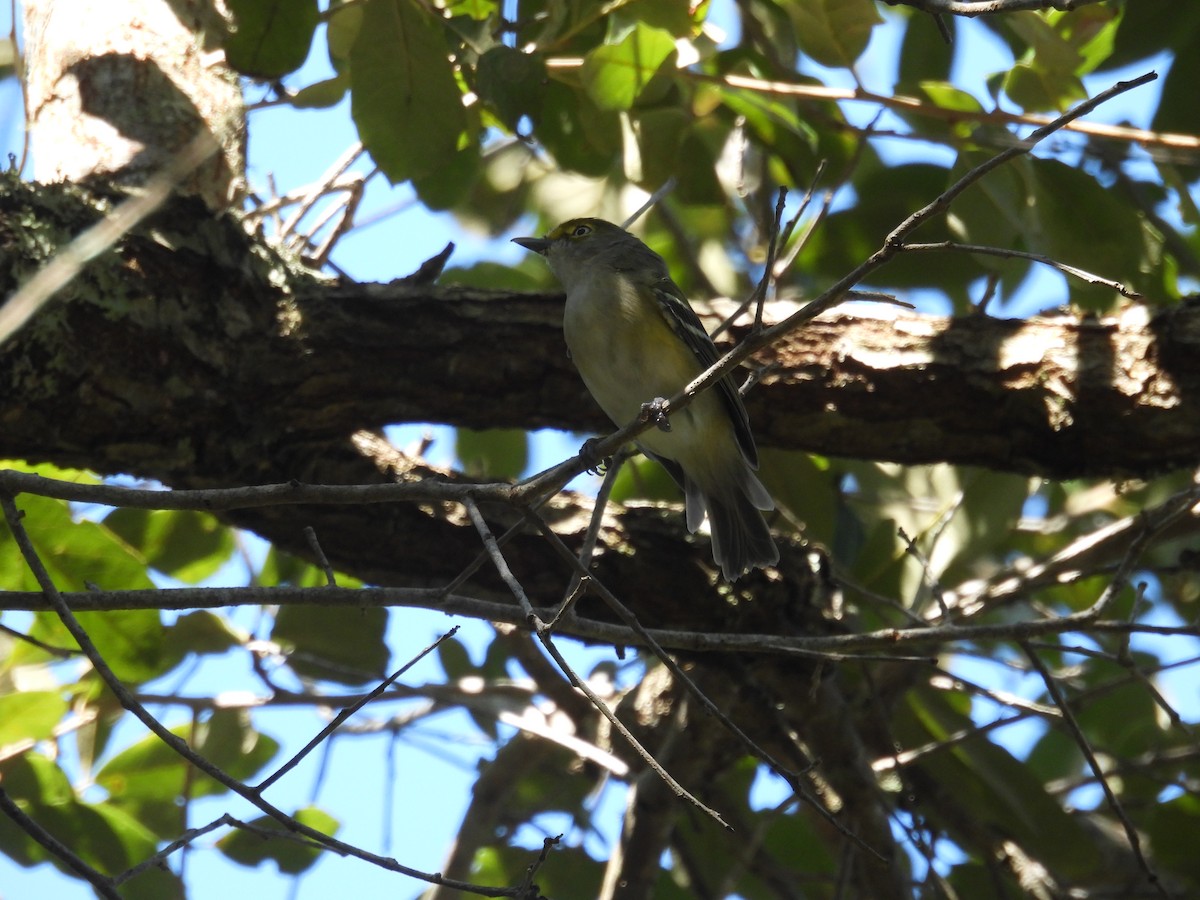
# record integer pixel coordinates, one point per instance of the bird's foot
(597, 464)
(656, 411)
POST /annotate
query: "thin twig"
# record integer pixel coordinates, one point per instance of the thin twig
(102, 883)
(627, 616)
(128, 702)
(314, 546)
(1056, 694)
(588, 546)
(829, 647)
(182, 841)
(667, 187)
(1003, 252)
(501, 564)
(67, 263)
(539, 628)
(349, 711)
(676, 788)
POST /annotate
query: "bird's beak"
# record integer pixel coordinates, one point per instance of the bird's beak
(537, 245)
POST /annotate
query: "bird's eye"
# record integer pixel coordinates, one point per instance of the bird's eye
(581, 230)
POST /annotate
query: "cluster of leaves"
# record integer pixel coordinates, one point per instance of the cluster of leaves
(641, 92)
(48, 695)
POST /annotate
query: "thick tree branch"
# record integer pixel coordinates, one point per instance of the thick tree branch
(204, 359)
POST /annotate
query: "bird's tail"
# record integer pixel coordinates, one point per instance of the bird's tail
(740, 537)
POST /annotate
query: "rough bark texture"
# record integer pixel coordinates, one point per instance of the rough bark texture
(192, 351)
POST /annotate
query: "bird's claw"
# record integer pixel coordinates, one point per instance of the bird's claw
(597, 464)
(656, 411)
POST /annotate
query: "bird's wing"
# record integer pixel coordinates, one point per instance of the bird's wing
(685, 323)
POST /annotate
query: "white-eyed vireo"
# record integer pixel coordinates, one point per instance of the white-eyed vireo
(634, 338)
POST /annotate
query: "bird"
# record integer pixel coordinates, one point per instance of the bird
(635, 340)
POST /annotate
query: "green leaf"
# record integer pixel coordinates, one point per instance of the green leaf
(341, 32)
(74, 553)
(494, 276)
(1092, 31)
(1037, 89)
(151, 771)
(480, 10)
(696, 163)
(1079, 222)
(322, 94)
(642, 478)
(190, 546)
(338, 644)
(280, 568)
(615, 74)
(451, 184)
(30, 715)
(775, 123)
(109, 838)
(155, 883)
(947, 96)
(455, 660)
(579, 135)
(405, 100)
(41, 789)
(1000, 791)
(669, 15)
(1047, 76)
(202, 631)
(833, 32)
(993, 211)
(924, 54)
(802, 488)
(1177, 103)
(130, 641)
(511, 83)
(270, 37)
(659, 133)
(1148, 28)
(1172, 827)
(292, 854)
(498, 453)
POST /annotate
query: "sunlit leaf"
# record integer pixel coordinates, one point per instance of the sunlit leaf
(615, 74)
(405, 101)
(29, 715)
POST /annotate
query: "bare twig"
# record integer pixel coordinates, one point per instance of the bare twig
(128, 702)
(184, 840)
(626, 615)
(1085, 747)
(539, 627)
(350, 710)
(103, 885)
(314, 547)
(588, 547)
(972, 8)
(1003, 252)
